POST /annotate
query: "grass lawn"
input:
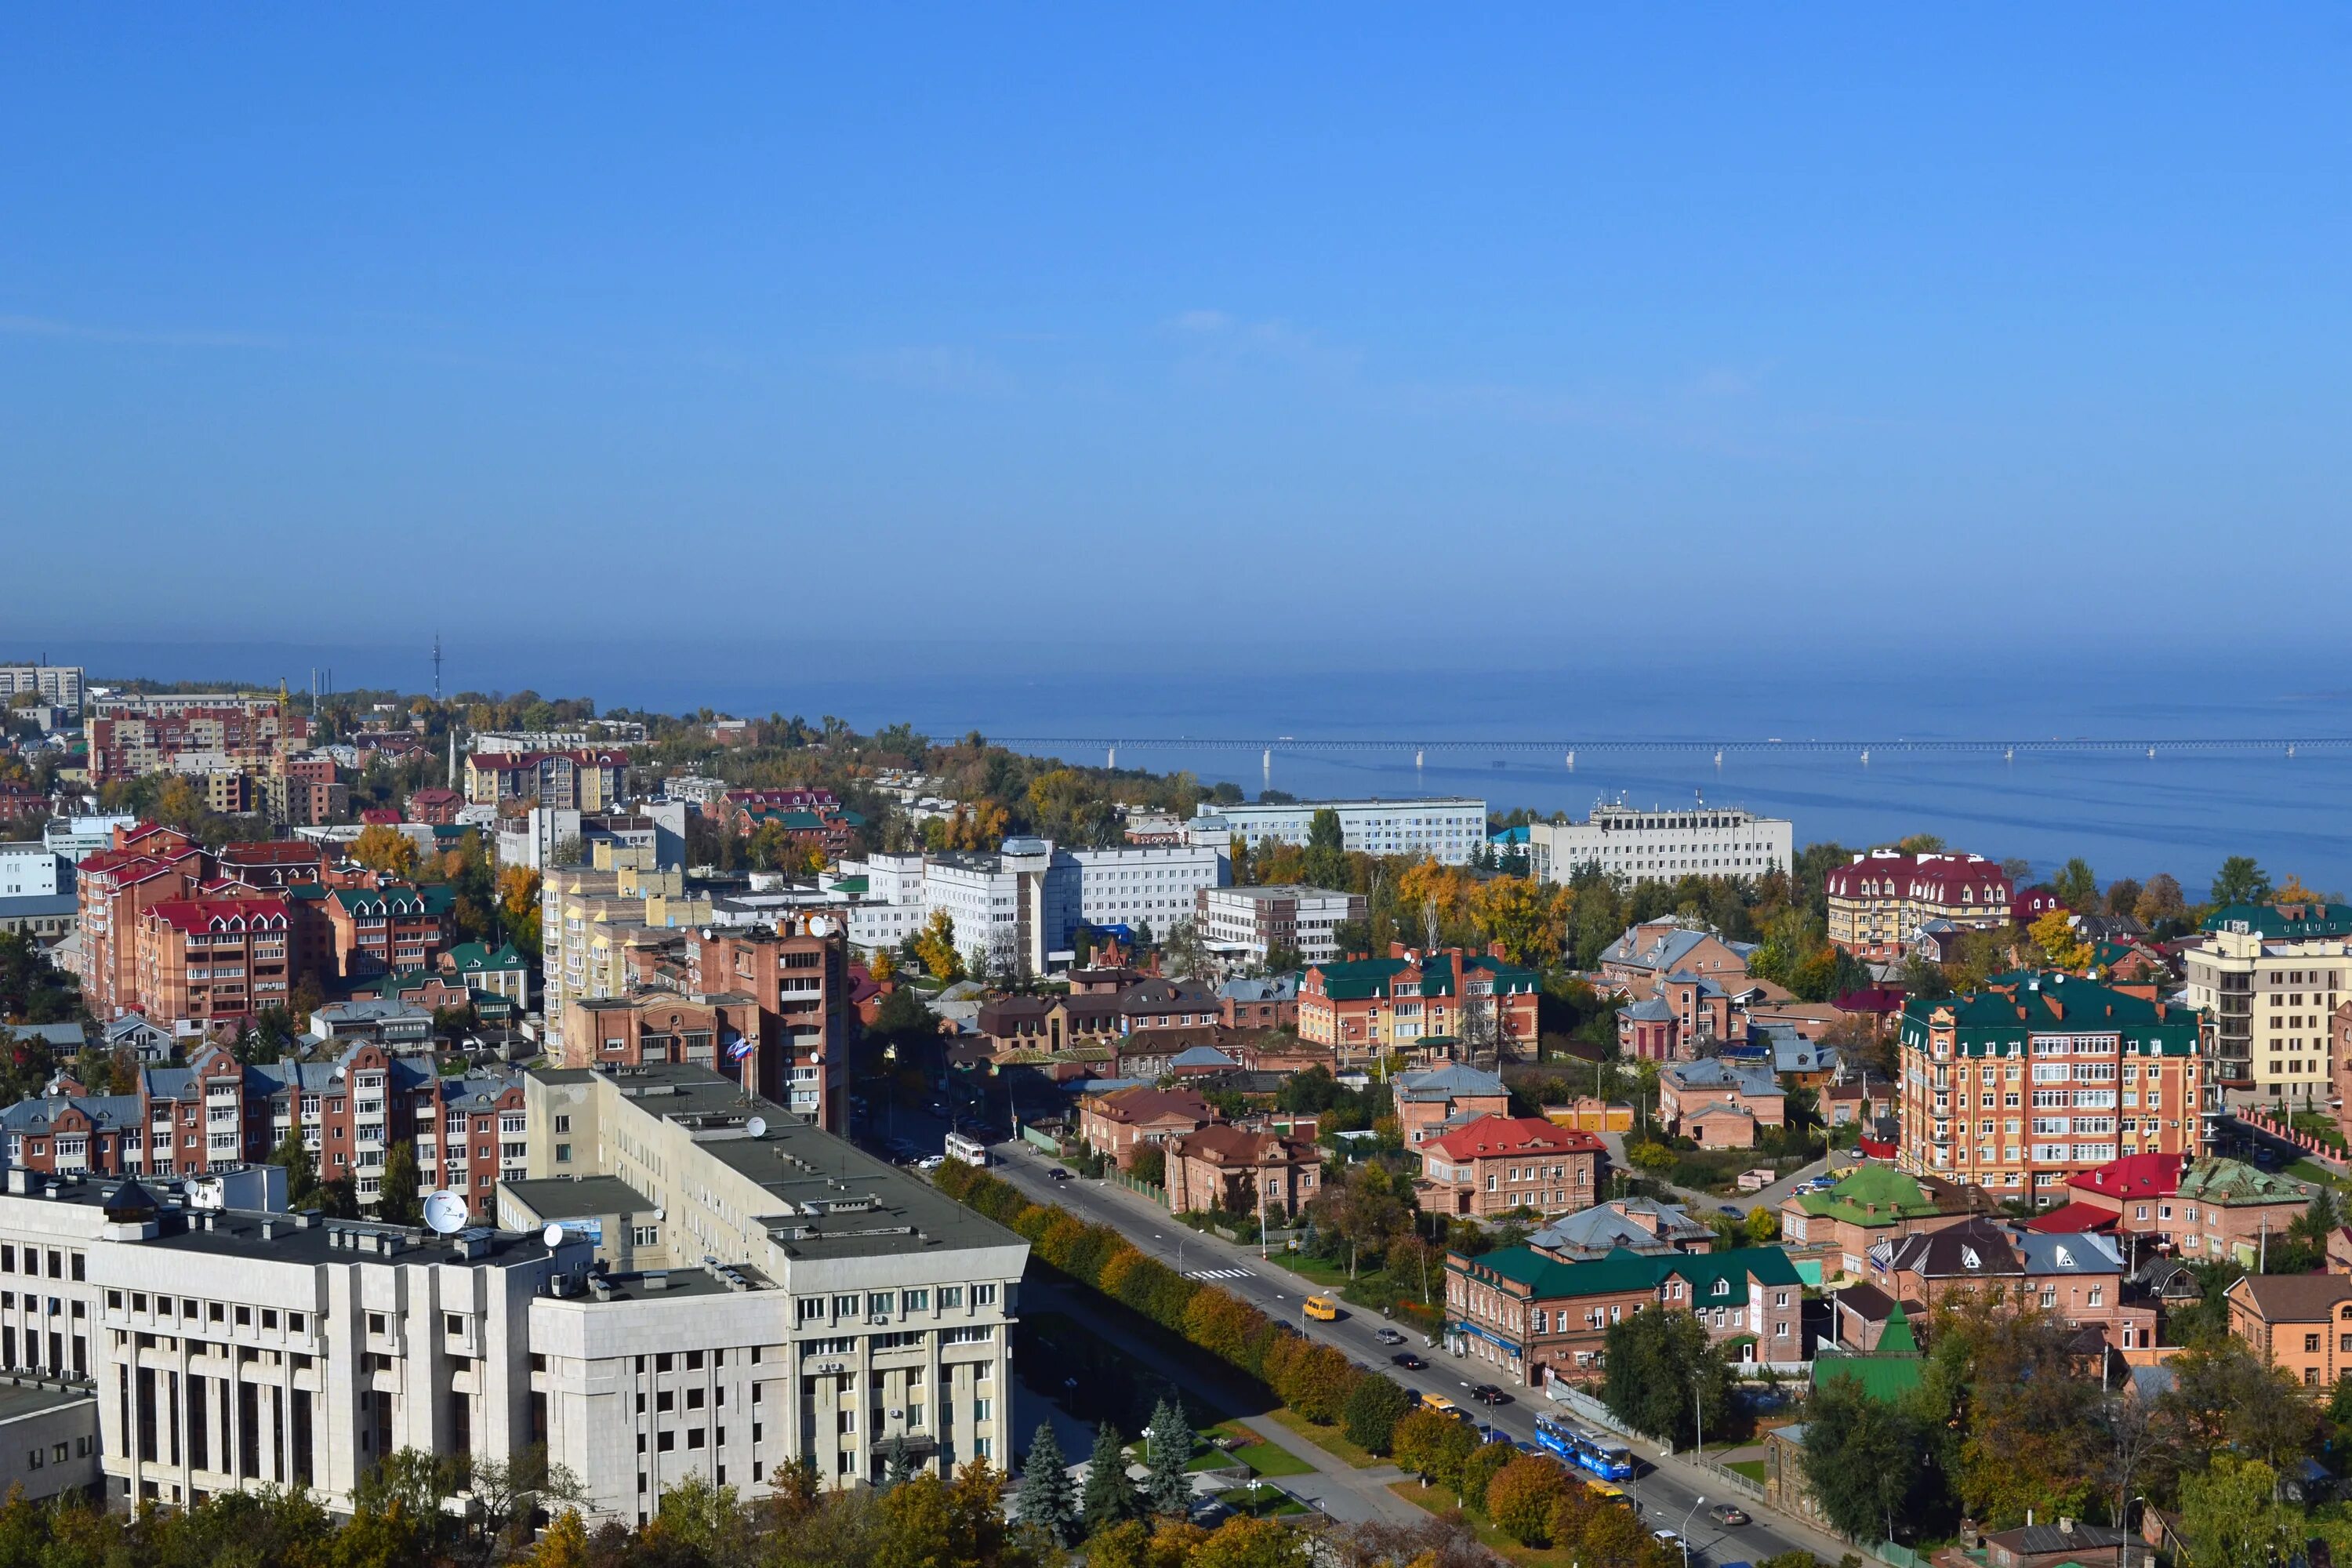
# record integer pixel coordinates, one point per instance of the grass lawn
(1262, 1458)
(2314, 1172)
(1261, 1502)
(1752, 1468)
(1332, 1440)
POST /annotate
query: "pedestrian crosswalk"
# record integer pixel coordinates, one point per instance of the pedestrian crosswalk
(1220, 1274)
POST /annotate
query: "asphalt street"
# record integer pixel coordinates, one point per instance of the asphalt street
(1673, 1493)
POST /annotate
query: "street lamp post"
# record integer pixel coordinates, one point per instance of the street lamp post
(1696, 1504)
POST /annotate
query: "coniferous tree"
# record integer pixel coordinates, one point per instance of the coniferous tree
(897, 1464)
(1168, 1489)
(1045, 1497)
(1109, 1497)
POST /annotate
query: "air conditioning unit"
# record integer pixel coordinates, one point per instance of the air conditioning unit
(897, 1416)
(883, 1318)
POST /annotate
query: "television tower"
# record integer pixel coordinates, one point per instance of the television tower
(437, 670)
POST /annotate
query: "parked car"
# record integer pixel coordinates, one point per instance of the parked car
(1408, 1361)
(1724, 1514)
(1390, 1336)
(1666, 1538)
(1732, 1209)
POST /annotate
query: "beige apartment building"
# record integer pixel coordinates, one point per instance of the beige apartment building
(1879, 902)
(589, 923)
(2269, 978)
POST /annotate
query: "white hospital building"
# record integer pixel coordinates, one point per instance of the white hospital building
(1450, 830)
(1662, 845)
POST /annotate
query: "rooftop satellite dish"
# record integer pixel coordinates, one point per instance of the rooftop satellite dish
(820, 925)
(661, 1214)
(553, 1236)
(757, 1127)
(445, 1213)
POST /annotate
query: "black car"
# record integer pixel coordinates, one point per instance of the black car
(1487, 1394)
(1408, 1361)
(1058, 1173)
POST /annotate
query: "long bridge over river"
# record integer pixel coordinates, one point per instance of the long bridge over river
(1567, 747)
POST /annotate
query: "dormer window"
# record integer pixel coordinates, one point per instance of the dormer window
(1968, 1258)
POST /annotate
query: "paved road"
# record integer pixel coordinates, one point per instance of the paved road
(1669, 1493)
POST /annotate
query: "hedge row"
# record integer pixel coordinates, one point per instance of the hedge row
(1314, 1379)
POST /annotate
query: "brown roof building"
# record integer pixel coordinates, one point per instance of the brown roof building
(1223, 1167)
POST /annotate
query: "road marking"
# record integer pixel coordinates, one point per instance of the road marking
(1221, 1274)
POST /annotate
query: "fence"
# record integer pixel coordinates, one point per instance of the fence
(1045, 1141)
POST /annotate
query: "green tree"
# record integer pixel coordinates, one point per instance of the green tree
(897, 1463)
(1478, 1471)
(1862, 1458)
(1663, 1375)
(2077, 886)
(2240, 881)
(1045, 1497)
(1373, 1410)
(1166, 1489)
(1110, 1497)
(2231, 1515)
(302, 1170)
(398, 1201)
(1326, 850)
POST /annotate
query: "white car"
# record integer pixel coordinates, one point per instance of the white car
(1666, 1538)
(930, 1162)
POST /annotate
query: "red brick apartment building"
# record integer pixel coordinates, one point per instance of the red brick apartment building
(1498, 1165)
(214, 960)
(113, 887)
(216, 1113)
(1878, 902)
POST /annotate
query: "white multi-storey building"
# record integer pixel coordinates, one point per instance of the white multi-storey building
(33, 869)
(1661, 845)
(1138, 885)
(58, 685)
(75, 838)
(817, 1303)
(1451, 830)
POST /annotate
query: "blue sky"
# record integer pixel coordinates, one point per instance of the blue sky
(1484, 339)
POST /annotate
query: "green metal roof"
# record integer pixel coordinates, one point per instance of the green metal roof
(2011, 1007)
(1547, 1279)
(1871, 1195)
(2227, 1182)
(1885, 1378)
(2268, 920)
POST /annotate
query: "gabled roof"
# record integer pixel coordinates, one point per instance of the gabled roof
(2081, 1253)
(2294, 1298)
(1549, 1279)
(1446, 1083)
(1973, 1249)
(2070, 1220)
(1714, 1073)
(1504, 1135)
(1871, 1195)
(2234, 1182)
(1137, 1105)
(205, 915)
(2132, 1176)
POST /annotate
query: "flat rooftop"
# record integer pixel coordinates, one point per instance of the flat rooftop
(20, 1397)
(577, 1197)
(832, 1198)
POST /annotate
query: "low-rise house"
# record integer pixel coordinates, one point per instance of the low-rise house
(1646, 953)
(1719, 1124)
(2299, 1322)
(387, 1022)
(1240, 1171)
(1622, 1225)
(1687, 1088)
(1268, 1004)
(500, 971)
(1528, 1316)
(1420, 1006)
(1122, 1122)
(1871, 1205)
(2214, 1209)
(2078, 1276)
(1429, 1102)
(1499, 1164)
(2061, 1541)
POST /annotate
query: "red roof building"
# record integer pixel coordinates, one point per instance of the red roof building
(214, 959)
(2118, 1182)
(2031, 904)
(435, 806)
(1498, 1165)
(1878, 902)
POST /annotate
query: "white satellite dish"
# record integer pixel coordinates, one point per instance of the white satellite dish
(445, 1213)
(661, 1214)
(820, 925)
(553, 1235)
(757, 1127)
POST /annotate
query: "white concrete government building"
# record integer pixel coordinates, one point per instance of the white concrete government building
(1662, 843)
(733, 1290)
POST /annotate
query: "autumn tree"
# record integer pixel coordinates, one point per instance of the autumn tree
(517, 890)
(2161, 902)
(935, 945)
(2053, 934)
(1522, 1497)
(385, 849)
